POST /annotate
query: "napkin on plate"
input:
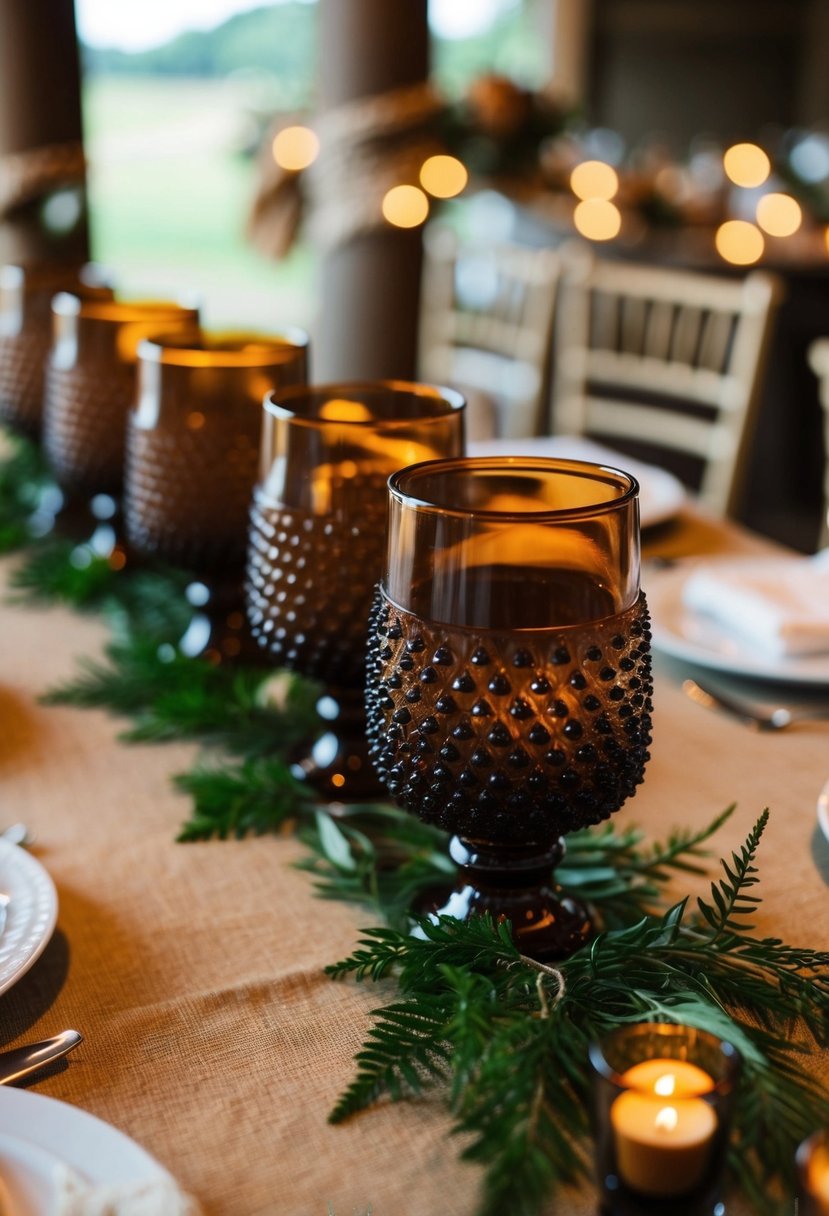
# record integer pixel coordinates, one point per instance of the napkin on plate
(777, 605)
(73, 1196)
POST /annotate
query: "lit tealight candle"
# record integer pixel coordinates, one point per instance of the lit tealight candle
(663, 1130)
(813, 1160)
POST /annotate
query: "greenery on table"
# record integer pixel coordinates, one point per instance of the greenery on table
(504, 1038)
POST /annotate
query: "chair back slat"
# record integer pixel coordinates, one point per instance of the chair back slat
(664, 360)
(486, 326)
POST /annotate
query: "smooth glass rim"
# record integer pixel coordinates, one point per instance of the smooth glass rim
(732, 1060)
(278, 402)
(119, 312)
(529, 464)
(225, 349)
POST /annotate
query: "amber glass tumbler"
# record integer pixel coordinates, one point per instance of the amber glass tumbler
(26, 295)
(91, 382)
(509, 688)
(317, 540)
(193, 457)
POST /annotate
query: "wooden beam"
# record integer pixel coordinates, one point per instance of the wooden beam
(40, 105)
(370, 285)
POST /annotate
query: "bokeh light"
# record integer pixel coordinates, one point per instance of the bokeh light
(779, 214)
(295, 148)
(405, 206)
(443, 176)
(594, 179)
(739, 242)
(339, 409)
(597, 219)
(746, 165)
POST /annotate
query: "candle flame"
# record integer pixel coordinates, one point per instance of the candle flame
(666, 1118)
(665, 1086)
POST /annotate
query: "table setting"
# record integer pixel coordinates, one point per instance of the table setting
(558, 1025)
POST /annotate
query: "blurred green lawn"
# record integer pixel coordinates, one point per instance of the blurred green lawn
(170, 194)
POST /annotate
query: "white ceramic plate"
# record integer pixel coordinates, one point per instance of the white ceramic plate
(31, 914)
(683, 634)
(823, 810)
(39, 1134)
(661, 495)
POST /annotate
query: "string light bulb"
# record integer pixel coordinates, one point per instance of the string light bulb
(405, 206)
(779, 214)
(443, 176)
(598, 219)
(295, 148)
(594, 179)
(746, 165)
(739, 242)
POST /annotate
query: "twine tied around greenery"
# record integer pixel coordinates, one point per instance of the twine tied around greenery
(366, 147)
(31, 174)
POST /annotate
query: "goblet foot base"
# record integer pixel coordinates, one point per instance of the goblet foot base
(516, 885)
(337, 766)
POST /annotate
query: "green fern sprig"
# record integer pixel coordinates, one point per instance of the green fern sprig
(23, 479)
(386, 859)
(514, 1033)
(256, 796)
(171, 696)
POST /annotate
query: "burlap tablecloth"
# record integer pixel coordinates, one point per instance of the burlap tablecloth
(195, 971)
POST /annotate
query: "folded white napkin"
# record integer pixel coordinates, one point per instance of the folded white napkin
(778, 605)
(158, 1197)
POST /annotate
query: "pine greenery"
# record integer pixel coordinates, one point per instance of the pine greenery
(23, 478)
(503, 1037)
(506, 1038)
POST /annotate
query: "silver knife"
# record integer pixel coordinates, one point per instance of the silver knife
(21, 1061)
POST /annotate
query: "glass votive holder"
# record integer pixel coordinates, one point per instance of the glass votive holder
(813, 1175)
(662, 1101)
(91, 384)
(26, 294)
(192, 461)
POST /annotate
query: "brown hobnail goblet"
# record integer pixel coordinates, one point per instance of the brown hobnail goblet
(26, 334)
(509, 690)
(317, 541)
(90, 387)
(191, 464)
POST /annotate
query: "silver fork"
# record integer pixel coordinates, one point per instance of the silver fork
(760, 717)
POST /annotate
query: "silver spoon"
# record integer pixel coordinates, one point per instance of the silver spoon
(760, 717)
(21, 1061)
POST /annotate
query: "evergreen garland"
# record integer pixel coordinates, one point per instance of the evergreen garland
(504, 1037)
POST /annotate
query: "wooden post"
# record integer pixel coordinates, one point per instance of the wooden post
(40, 105)
(566, 29)
(370, 285)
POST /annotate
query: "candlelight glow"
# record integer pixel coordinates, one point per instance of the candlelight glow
(739, 242)
(746, 165)
(665, 1086)
(405, 206)
(340, 410)
(295, 148)
(443, 176)
(666, 1119)
(597, 219)
(779, 214)
(594, 179)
